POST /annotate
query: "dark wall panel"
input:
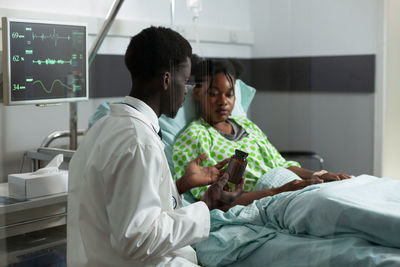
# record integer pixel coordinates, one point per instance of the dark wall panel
(343, 74)
(110, 78)
(281, 74)
(315, 74)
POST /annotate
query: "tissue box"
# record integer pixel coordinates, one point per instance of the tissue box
(31, 185)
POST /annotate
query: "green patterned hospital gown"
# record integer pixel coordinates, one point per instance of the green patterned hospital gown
(200, 137)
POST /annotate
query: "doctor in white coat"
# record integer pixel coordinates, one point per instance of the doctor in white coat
(123, 207)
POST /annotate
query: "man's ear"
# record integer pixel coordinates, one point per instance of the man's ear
(166, 80)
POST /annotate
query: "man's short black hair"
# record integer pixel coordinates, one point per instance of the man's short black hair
(155, 50)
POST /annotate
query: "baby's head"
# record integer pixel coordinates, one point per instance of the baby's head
(214, 88)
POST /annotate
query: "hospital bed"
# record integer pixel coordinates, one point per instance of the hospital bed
(308, 159)
(353, 222)
(310, 227)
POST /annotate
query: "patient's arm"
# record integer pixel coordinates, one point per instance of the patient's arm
(324, 175)
(302, 173)
(248, 197)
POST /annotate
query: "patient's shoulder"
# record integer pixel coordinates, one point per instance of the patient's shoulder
(243, 121)
(197, 126)
(194, 130)
(247, 124)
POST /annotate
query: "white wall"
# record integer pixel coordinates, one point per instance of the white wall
(391, 96)
(290, 28)
(24, 127)
(338, 126)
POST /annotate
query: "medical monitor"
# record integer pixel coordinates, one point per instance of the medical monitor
(44, 62)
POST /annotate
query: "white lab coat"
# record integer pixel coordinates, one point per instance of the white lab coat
(121, 197)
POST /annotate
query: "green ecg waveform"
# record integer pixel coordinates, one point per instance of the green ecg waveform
(49, 61)
(52, 85)
(53, 36)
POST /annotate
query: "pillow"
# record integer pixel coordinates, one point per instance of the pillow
(243, 96)
(172, 127)
(102, 110)
(247, 94)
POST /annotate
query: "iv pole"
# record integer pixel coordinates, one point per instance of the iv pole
(172, 14)
(73, 107)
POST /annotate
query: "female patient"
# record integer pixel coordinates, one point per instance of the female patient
(218, 134)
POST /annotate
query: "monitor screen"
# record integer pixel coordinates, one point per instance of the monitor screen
(44, 62)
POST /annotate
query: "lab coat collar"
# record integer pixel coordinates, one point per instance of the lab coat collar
(143, 108)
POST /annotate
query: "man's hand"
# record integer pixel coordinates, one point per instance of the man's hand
(216, 197)
(298, 184)
(196, 176)
(330, 176)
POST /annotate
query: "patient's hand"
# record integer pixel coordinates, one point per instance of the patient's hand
(331, 176)
(196, 176)
(216, 197)
(298, 184)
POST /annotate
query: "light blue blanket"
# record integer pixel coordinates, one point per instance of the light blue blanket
(355, 214)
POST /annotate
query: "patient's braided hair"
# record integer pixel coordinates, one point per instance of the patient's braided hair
(203, 68)
(155, 50)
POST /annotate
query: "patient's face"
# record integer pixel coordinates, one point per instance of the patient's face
(217, 101)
